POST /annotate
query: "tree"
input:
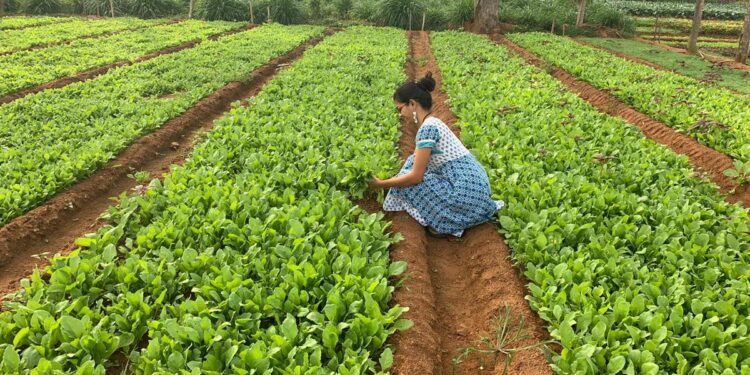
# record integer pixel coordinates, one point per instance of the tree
(581, 4)
(696, 30)
(742, 51)
(2, 7)
(485, 16)
(190, 9)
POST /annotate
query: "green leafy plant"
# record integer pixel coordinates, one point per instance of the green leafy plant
(21, 70)
(141, 176)
(135, 100)
(509, 331)
(12, 40)
(250, 257)
(635, 264)
(712, 115)
(20, 22)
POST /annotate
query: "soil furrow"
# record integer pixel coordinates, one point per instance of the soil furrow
(471, 280)
(93, 73)
(92, 36)
(708, 161)
(54, 226)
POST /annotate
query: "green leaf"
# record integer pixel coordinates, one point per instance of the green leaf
(11, 360)
(71, 327)
(386, 359)
(109, 253)
(402, 324)
(616, 364)
(20, 336)
(175, 361)
(289, 328)
(397, 268)
(330, 337)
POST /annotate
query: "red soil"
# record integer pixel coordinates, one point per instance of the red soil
(455, 287)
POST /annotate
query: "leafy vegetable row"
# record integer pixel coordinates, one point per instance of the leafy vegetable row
(715, 117)
(30, 68)
(19, 22)
(637, 266)
(52, 139)
(251, 257)
(692, 66)
(684, 25)
(727, 11)
(12, 40)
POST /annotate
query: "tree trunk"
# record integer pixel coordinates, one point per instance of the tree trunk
(112, 7)
(252, 15)
(742, 51)
(696, 30)
(581, 12)
(2, 8)
(190, 9)
(485, 16)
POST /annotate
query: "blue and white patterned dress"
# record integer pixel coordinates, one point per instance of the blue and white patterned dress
(455, 192)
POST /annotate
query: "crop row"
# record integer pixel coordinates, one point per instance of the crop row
(251, 257)
(714, 116)
(638, 266)
(728, 11)
(52, 139)
(684, 39)
(30, 68)
(13, 40)
(684, 25)
(19, 22)
(691, 66)
(683, 44)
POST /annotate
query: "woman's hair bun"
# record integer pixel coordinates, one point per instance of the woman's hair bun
(427, 83)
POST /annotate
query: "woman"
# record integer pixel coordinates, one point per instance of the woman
(441, 185)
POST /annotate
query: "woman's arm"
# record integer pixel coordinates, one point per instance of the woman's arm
(415, 176)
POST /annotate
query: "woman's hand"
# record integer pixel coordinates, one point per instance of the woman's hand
(376, 183)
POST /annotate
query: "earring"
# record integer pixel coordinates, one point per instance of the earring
(414, 116)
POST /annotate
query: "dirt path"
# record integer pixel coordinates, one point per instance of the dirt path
(89, 74)
(91, 36)
(456, 287)
(54, 226)
(705, 159)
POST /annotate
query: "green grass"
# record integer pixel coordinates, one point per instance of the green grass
(691, 66)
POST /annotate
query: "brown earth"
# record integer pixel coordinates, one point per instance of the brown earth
(705, 159)
(89, 74)
(456, 287)
(92, 36)
(54, 226)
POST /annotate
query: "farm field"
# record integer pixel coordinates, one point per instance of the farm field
(20, 22)
(247, 240)
(25, 69)
(719, 37)
(114, 109)
(16, 40)
(712, 11)
(715, 117)
(691, 66)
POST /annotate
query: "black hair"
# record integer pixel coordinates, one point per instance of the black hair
(419, 91)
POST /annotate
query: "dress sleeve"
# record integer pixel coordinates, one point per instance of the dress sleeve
(428, 136)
